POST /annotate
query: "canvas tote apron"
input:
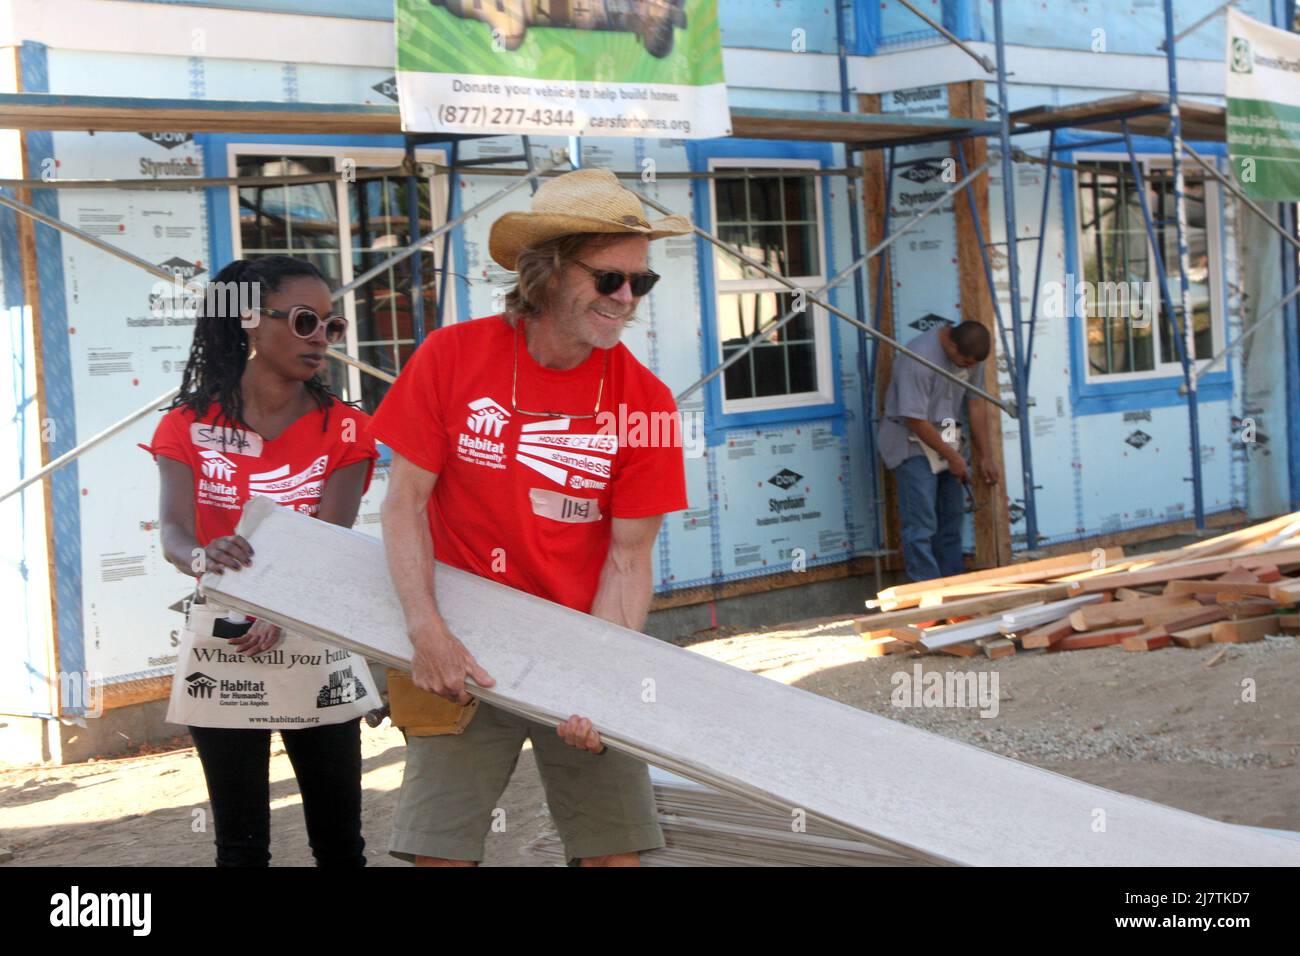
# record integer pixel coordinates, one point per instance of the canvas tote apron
(297, 684)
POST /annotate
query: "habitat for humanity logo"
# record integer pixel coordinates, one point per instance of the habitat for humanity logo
(1242, 60)
(217, 466)
(75, 908)
(200, 685)
(487, 418)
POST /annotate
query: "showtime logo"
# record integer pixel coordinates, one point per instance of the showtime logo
(486, 418)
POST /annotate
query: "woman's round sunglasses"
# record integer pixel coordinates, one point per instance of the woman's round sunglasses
(609, 281)
(305, 322)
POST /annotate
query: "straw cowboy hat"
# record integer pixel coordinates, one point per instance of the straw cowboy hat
(585, 200)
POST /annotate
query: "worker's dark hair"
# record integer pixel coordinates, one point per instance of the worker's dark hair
(972, 340)
(219, 351)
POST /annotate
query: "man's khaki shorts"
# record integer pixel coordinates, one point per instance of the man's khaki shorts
(602, 804)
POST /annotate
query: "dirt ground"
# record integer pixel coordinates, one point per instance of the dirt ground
(1160, 725)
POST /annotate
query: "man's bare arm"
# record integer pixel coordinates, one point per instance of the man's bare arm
(440, 662)
(626, 579)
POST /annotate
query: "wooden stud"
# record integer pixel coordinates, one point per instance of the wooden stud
(1242, 632)
(1048, 634)
(1147, 641)
(1126, 612)
(1181, 619)
(1079, 642)
(1194, 637)
(999, 648)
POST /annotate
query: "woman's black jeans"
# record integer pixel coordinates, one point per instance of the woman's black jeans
(327, 762)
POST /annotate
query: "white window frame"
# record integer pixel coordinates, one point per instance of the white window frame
(824, 394)
(365, 156)
(1213, 229)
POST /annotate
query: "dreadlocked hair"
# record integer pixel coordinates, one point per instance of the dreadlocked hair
(219, 352)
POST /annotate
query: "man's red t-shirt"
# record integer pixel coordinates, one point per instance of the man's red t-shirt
(230, 466)
(527, 499)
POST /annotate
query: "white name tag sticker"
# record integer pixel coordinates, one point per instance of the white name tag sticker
(228, 441)
(566, 508)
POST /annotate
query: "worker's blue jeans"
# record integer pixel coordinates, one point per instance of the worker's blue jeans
(930, 512)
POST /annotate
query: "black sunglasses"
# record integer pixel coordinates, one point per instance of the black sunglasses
(305, 322)
(609, 281)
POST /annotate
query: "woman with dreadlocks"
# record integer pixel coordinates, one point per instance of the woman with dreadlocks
(253, 418)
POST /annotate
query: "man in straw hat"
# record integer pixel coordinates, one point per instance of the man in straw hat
(504, 465)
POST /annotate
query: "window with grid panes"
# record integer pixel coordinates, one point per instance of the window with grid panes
(1122, 339)
(302, 220)
(771, 214)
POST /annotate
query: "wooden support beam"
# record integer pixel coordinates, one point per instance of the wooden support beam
(971, 606)
(1204, 568)
(1048, 634)
(1183, 618)
(1194, 637)
(1127, 612)
(1024, 572)
(1001, 647)
(1242, 632)
(975, 303)
(1079, 642)
(1151, 640)
(1219, 587)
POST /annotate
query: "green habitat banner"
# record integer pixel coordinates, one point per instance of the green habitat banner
(563, 67)
(1263, 91)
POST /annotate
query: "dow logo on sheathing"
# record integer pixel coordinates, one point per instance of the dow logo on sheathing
(922, 172)
(1138, 438)
(785, 478)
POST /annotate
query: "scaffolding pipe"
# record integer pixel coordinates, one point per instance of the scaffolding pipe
(1164, 44)
(1019, 370)
(980, 58)
(90, 443)
(1038, 259)
(413, 226)
(1240, 340)
(33, 213)
(1233, 188)
(859, 291)
(1186, 354)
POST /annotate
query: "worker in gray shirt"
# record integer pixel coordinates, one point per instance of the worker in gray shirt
(920, 441)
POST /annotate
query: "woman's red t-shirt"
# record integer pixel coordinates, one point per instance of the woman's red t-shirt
(232, 466)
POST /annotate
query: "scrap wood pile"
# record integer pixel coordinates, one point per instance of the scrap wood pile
(1236, 587)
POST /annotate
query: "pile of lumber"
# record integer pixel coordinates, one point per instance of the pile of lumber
(1232, 588)
(707, 827)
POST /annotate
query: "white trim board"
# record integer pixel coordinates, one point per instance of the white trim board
(897, 787)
